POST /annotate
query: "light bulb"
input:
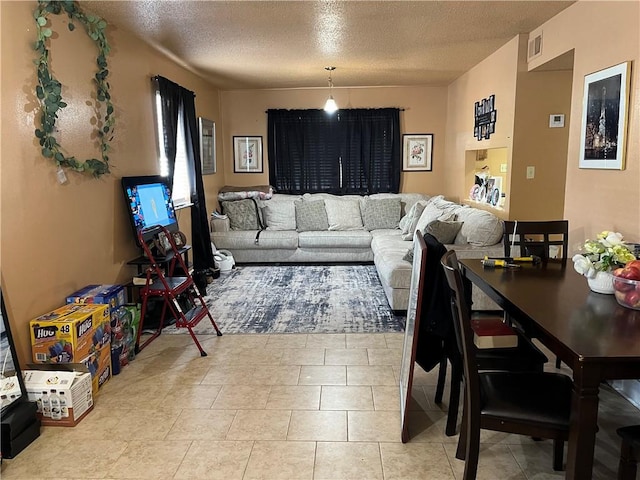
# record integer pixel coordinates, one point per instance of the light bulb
(330, 106)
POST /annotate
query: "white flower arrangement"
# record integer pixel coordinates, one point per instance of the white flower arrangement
(604, 254)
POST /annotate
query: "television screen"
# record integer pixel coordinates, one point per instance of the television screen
(149, 203)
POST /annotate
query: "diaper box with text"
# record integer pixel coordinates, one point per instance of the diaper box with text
(70, 333)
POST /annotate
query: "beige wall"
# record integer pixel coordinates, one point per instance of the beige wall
(602, 34)
(58, 238)
(497, 76)
(243, 113)
(523, 101)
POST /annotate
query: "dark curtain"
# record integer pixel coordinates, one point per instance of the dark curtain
(353, 151)
(370, 150)
(177, 100)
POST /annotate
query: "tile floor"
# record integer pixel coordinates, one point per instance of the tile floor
(281, 407)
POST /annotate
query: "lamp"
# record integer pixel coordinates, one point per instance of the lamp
(330, 105)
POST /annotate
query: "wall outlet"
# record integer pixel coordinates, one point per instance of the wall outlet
(531, 172)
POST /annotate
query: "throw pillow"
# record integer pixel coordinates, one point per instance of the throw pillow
(279, 215)
(343, 214)
(416, 212)
(405, 222)
(431, 212)
(408, 257)
(444, 231)
(311, 216)
(379, 213)
(243, 214)
(480, 228)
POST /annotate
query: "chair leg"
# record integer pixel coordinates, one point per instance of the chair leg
(558, 455)
(558, 362)
(442, 376)
(473, 451)
(461, 451)
(628, 465)
(454, 400)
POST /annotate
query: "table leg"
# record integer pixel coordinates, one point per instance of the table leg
(584, 424)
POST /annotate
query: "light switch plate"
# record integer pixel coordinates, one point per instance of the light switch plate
(556, 120)
(503, 168)
(531, 172)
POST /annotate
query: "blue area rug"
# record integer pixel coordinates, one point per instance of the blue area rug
(298, 299)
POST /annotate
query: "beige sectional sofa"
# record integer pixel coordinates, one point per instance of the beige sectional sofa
(377, 228)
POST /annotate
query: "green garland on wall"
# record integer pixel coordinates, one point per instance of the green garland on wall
(49, 90)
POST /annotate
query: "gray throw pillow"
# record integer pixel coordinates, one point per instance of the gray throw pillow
(444, 231)
(311, 216)
(242, 214)
(408, 257)
(381, 213)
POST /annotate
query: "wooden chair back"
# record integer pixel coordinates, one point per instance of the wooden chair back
(537, 238)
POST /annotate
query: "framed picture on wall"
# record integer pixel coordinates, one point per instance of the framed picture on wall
(604, 118)
(247, 154)
(417, 152)
(207, 145)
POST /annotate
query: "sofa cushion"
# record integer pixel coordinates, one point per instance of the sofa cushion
(243, 214)
(279, 215)
(310, 216)
(335, 239)
(444, 231)
(343, 214)
(388, 251)
(246, 240)
(380, 213)
(480, 228)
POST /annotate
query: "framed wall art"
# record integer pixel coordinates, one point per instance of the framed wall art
(604, 118)
(247, 154)
(207, 130)
(417, 152)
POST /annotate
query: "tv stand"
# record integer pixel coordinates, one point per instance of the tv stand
(163, 261)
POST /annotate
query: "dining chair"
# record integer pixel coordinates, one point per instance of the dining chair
(629, 452)
(437, 344)
(537, 238)
(536, 404)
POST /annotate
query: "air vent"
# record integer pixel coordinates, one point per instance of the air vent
(535, 46)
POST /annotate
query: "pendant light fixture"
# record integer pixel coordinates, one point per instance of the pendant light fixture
(330, 105)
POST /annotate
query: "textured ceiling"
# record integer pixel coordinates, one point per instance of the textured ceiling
(287, 44)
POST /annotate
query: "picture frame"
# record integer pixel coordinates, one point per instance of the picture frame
(207, 134)
(604, 118)
(417, 151)
(247, 154)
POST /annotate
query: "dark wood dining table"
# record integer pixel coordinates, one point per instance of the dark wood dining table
(597, 338)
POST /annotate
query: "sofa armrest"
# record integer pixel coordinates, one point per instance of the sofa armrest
(219, 224)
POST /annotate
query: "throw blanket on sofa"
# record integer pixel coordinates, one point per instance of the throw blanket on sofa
(263, 192)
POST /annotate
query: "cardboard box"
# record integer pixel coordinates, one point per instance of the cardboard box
(69, 393)
(111, 295)
(70, 333)
(99, 365)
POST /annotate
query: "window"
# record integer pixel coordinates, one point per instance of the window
(356, 151)
(181, 189)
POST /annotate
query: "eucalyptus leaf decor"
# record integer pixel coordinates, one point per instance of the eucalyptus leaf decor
(49, 90)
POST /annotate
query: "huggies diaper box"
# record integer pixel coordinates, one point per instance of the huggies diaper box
(74, 333)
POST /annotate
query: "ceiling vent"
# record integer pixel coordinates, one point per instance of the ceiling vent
(535, 47)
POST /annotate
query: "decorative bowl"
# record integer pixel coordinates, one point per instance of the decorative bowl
(627, 292)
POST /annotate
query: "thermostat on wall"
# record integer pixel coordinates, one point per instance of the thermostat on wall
(556, 120)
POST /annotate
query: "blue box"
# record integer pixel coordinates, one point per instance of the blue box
(112, 295)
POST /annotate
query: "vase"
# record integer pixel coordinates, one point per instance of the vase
(601, 283)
